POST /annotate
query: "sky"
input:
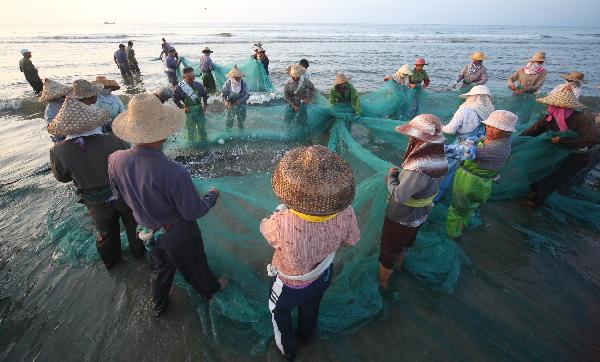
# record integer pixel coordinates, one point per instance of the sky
(456, 12)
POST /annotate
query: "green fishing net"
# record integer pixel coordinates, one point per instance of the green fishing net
(238, 317)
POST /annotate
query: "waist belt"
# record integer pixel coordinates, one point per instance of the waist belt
(421, 202)
(272, 271)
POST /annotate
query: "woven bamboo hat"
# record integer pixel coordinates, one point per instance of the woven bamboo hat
(107, 83)
(538, 57)
(84, 89)
(341, 78)
(295, 70)
(403, 70)
(314, 181)
(235, 72)
(53, 90)
(147, 120)
(478, 56)
(574, 76)
(75, 117)
(477, 90)
(425, 127)
(564, 99)
(503, 120)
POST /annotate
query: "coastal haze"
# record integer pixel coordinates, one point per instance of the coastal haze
(517, 301)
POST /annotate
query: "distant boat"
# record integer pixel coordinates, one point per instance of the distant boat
(108, 23)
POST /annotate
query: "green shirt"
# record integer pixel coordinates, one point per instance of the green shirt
(418, 76)
(350, 96)
(26, 66)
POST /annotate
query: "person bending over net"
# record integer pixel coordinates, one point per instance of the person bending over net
(344, 92)
(315, 220)
(298, 91)
(411, 192)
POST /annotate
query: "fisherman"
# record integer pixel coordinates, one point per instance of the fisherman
(414, 81)
(108, 101)
(85, 92)
(344, 92)
(133, 64)
(574, 81)
(411, 192)
(474, 73)
(83, 159)
(163, 198)
(194, 98)
(31, 74)
(171, 64)
(564, 114)
(166, 48)
(54, 93)
(401, 76)
(207, 67)
(121, 61)
(164, 94)
(531, 77)
(298, 91)
(261, 55)
(235, 95)
(473, 181)
(466, 123)
(314, 220)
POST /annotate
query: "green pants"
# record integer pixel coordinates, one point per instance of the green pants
(468, 192)
(195, 124)
(208, 81)
(238, 112)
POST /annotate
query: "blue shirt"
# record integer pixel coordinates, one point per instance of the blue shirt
(159, 191)
(171, 64)
(206, 64)
(121, 56)
(227, 94)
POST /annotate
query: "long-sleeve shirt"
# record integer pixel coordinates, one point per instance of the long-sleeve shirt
(26, 66)
(293, 95)
(406, 185)
(112, 104)
(181, 99)
(301, 245)
(418, 77)
(206, 64)
(464, 121)
(87, 168)
(350, 95)
(121, 57)
(530, 83)
(130, 55)
(165, 49)
(492, 154)
(159, 191)
(480, 77)
(264, 60)
(227, 93)
(171, 64)
(587, 131)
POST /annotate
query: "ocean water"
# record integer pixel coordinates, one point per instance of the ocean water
(519, 300)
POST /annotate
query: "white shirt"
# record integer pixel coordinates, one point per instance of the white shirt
(465, 120)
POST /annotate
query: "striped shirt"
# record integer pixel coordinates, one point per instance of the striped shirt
(301, 245)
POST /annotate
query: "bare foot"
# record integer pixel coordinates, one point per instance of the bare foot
(224, 280)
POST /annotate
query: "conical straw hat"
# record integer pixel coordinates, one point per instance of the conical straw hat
(564, 98)
(296, 70)
(235, 72)
(478, 56)
(147, 120)
(341, 78)
(75, 117)
(107, 83)
(52, 90)
(314, 181)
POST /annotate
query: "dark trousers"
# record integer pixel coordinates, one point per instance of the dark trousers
(281, 302)
(108, 241)
(189, 259)
(125, 71)
(569, 169)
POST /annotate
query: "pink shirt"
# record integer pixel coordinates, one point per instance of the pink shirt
(301, 245)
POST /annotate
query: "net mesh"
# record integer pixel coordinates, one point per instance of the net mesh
(238, 317)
